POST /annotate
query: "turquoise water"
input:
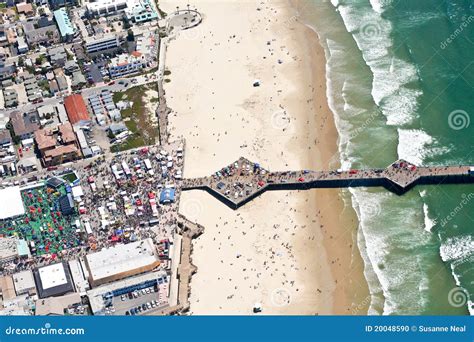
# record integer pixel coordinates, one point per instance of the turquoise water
(401, 85)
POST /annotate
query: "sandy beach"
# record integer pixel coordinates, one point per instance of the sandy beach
(294, 251)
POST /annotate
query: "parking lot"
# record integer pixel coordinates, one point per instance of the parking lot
(139, 302)
(93, 73)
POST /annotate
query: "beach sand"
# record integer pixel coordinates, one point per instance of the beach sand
(292, 251)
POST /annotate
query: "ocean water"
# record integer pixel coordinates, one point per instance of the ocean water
(401, 85)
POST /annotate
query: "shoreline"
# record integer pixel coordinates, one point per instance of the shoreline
(351, 293)
(319, 267)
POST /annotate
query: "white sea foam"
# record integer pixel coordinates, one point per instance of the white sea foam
(429, 223)
(372, 34)
(470, 307)
(415, 145)
(412, 144)
(380, 6)
(376, 246)
(393, 269)
(457, 248)
(377, 5)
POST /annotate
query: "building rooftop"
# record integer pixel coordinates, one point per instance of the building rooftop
(76, 109)
(77, 79)
(45, 138)
(8, 249)
(24, 7)
(79, 275)
(12, 204)
(7, 288)
(5, 137)
(99, 38)
(125, 59)
(57, 54)
(56, 305)
(52, 275)
(60, 150)
(121, 259)
(24, 282)
(53, 280)
(64, 23)
(24, 123)
(41, 34)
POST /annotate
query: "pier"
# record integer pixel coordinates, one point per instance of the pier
(242, 181)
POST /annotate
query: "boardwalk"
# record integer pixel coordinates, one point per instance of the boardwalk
(186, 269)
(243, 180)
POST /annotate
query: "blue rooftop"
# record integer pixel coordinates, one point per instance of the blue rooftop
(167, 195)
(64, 24)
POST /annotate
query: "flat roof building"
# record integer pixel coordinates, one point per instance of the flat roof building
(57, 56)
(12, 248)
(53, 280)
(121, 261)
(7, 289)
(140, 11)
(124, 64)
(79, 276)
(102, 43)
(56, 305)
(106, 7)
(12, 203)
(24, 283)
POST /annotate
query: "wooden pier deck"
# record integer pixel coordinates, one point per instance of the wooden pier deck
(244, 180)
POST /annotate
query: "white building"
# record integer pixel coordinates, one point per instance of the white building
(123, 65)
(22, 45)
(12, 204)
(106, 7)
(102, 43)
(136, 10)
(79, 276)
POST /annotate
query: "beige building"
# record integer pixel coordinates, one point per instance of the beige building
(57, 146)
(7, 289)
(121, 261)
(56, 305)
